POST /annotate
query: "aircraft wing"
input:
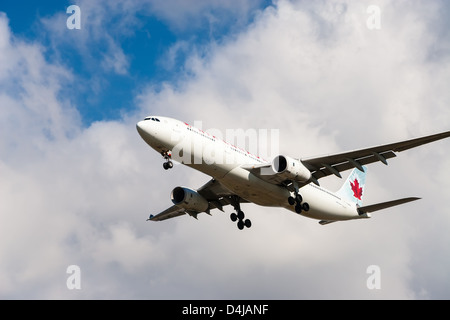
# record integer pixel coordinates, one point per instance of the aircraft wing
(172, 212)
(216, 194)
(335, 163)
(323, 166)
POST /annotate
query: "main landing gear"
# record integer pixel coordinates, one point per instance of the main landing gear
(239, 215)
(167, 156)
(297, 201)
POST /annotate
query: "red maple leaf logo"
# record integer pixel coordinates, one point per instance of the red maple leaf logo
(357, 191)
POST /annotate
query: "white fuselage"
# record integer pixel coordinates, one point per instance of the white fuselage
(223, 161)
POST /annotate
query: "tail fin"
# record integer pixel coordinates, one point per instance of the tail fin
(353, 188)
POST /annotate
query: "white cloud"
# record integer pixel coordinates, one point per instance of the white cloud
(189, 14)
(73, 195)
(104, 25)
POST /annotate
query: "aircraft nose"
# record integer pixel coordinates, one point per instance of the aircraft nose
(140, 127)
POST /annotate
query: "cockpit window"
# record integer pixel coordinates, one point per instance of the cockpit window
(153, 119)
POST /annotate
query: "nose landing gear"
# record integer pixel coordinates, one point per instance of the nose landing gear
(167, 156)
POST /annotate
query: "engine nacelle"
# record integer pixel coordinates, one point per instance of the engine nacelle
(290, 169)
(189, 199)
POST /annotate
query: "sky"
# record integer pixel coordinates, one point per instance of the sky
(78, 183)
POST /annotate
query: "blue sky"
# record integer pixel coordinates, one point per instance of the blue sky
(78, 183)
(145, 39)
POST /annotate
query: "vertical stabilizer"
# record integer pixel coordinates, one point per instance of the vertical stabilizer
(353, 188)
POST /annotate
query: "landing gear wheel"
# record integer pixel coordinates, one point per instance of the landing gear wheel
(241, 224)
(296, 201)
(167, 156)
(305, 206)
(239, 214)
(291, 201)
(168, 165)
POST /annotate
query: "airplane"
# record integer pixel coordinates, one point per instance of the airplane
(239, 176)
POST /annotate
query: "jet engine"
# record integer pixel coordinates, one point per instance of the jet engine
(290, 169)
(189, 199)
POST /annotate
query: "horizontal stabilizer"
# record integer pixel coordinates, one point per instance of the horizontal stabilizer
(385, 205)
(324, 222)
